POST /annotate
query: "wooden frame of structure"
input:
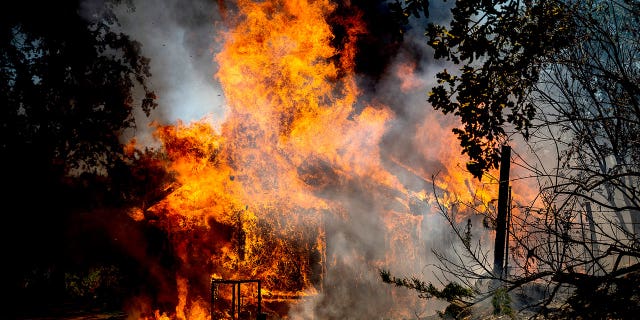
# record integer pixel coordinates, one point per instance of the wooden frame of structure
(235, 295)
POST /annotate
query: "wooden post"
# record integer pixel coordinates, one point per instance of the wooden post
(239, 299)
(503, 209)
(259, 300)
(233, 301)
(214, 295)
(236, 297)
(506, 242)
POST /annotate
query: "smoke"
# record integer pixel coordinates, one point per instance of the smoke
(180, 40)
(396, 73)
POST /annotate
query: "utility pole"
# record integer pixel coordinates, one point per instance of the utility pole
(503, 209)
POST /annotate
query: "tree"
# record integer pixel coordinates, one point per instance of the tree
(587, 102)
(498, 48)
(68, 84)
(67, 81)
(575, 248)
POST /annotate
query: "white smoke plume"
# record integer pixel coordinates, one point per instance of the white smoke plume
(179, 38)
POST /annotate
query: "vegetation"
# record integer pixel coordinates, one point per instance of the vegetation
(69, 87)
(501, 302)
(568, 74)
(457, 295)
(498, 49)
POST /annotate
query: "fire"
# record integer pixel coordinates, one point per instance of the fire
(454, 177)
(254, 196)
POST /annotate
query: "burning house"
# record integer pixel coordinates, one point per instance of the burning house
(301, 188)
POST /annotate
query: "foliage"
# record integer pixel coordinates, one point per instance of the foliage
(70, 87)
(67, 82)
(501, 302)
(401, 11)
(589, 112)
(571, 82)
(498, 48)
(92, 283)
(454, 293)
(606, 298)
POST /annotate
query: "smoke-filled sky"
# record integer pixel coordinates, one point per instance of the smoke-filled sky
(181, 38)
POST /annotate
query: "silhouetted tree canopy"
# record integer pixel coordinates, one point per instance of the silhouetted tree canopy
(67, 81)
(497, 48)
(69, 86)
